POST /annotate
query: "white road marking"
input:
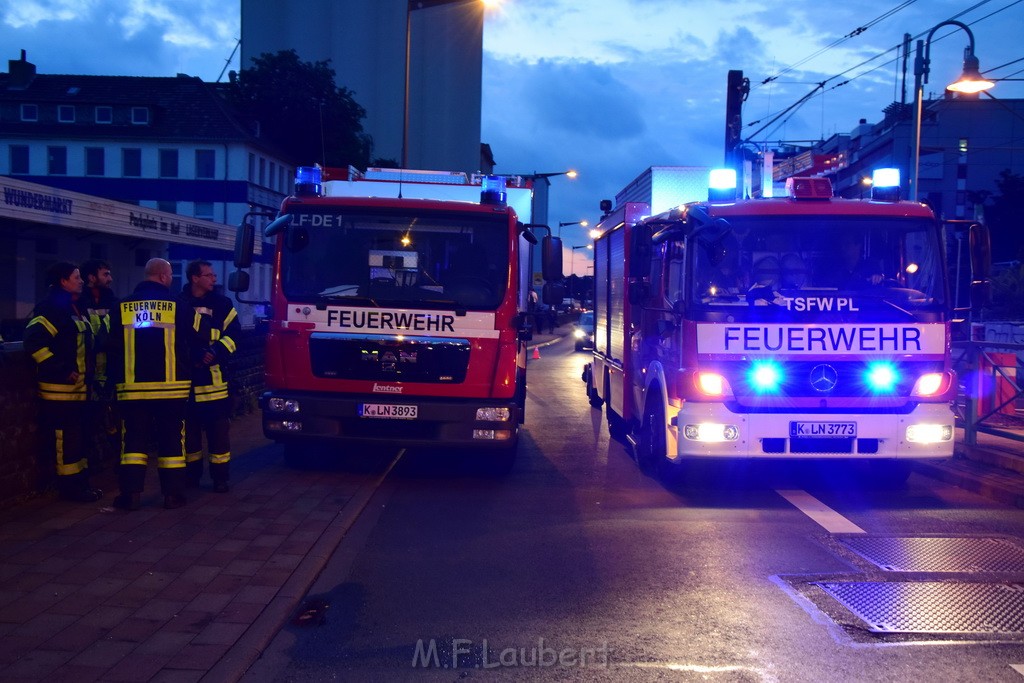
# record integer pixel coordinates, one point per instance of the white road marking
(829, 519)
(1019, 668)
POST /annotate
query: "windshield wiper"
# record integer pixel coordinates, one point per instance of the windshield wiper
(323, 301)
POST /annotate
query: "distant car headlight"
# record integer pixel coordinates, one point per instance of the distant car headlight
(578, 333)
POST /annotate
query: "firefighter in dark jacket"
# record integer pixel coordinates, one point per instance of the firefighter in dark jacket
(59, 339)
(209, 408)
(153, 337)
(98, 302)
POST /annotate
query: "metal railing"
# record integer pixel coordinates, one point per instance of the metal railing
(989, 390)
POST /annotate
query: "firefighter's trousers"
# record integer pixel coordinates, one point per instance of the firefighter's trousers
(142, 423)
(213, 418)
(62, 436)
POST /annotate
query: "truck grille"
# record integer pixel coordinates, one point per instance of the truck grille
(389, 359)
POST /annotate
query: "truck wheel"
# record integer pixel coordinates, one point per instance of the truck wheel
(616, 425)
(595, 400)
(651, 446)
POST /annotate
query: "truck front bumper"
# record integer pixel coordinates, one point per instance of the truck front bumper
(771, 435)
(310, 417)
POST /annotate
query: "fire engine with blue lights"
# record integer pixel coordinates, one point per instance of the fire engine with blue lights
(796, 327)
(398, 311)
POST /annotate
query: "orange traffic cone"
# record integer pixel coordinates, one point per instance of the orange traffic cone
(536, 353)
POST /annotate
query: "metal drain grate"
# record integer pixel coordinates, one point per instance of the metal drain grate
(902, 554)
(933, 607)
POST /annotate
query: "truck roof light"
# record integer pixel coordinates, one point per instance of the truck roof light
(722, 185)
(885, 184)
(492, 190)
(808, 188)
(308, 182)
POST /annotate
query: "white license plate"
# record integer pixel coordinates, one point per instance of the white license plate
(388, 411)
(823, 429)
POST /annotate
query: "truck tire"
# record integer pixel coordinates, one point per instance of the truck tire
(592, 397)
(651, 445)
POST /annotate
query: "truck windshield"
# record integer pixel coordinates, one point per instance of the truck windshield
(396, 259)
(889, 263)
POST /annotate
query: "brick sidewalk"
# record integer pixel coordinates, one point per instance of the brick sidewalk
(92, 593)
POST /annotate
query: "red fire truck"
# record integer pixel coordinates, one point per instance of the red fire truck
(397, 312)
(796, 327)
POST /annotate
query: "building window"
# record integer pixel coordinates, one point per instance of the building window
(252, 167)
(131, 162)
(168, 163)
(29, 112)
(57, 160)
(66, 113)
(19, 160)
(205, 159)
(263, 172)
(140, 116)
(95, 161)
(167, 206)
(104, 115)
(204, 210)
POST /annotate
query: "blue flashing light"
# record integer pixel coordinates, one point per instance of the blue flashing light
(722, 185)
(308, 181)
(885, 185)
(881, 377)
(492, 190)
(885, 177)
(765, 377)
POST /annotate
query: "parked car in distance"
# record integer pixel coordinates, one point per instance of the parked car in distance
(583, 331)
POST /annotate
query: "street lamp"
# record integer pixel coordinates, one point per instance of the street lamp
(971, 81)
(411, 7)
(562, 224)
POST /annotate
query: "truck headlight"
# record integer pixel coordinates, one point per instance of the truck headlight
(282, 405)
(493, 414)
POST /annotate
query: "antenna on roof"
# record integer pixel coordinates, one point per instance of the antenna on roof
(227, 62)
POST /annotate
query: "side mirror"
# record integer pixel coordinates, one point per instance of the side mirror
(551, 258)
(244, 245)
(552, 294)
(639, 250)
(238, 281)
(526, 233)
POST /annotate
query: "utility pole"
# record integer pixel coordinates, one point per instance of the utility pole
(736, 92)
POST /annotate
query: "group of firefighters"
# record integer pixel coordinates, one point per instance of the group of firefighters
(155, 359)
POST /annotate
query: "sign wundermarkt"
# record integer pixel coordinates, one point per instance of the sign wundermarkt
(24, 201)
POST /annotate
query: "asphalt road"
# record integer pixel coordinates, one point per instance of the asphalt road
(578, 567)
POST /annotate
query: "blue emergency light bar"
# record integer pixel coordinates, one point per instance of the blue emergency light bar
(885, 184)
(492, 190)
(308, 181)
(722, 185)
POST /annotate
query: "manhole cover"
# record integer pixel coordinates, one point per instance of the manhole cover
(933, 607)
(914, 554)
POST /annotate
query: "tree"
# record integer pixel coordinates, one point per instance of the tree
(301, 110)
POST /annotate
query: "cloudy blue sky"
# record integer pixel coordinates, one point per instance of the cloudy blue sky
(607, 87)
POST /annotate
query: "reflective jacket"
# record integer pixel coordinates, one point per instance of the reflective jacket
(220, 330)
(98, 313)
(153, 337)
(59, 339)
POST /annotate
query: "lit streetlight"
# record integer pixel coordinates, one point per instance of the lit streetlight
(970, 82)
(562, 224)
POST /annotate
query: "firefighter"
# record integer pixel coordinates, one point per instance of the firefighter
(209, 407)
(153, 337)
(59, 339)
(98, 302)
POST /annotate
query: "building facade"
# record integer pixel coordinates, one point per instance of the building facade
(162, 155)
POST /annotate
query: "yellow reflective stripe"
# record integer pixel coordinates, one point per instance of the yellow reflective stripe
(214, 334)
(40, 320)
(197, 320)
(219, 458)
(194, 457)
(232, 314)
(213, 396)
(73, 468)
(49, 396)
(175, 462)
(42, 354)
(129, 354)
(154, 386)
(80, 355)
(145, 395)
(134, 459)
(210, 388)
(169, 354)
(229, 343)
